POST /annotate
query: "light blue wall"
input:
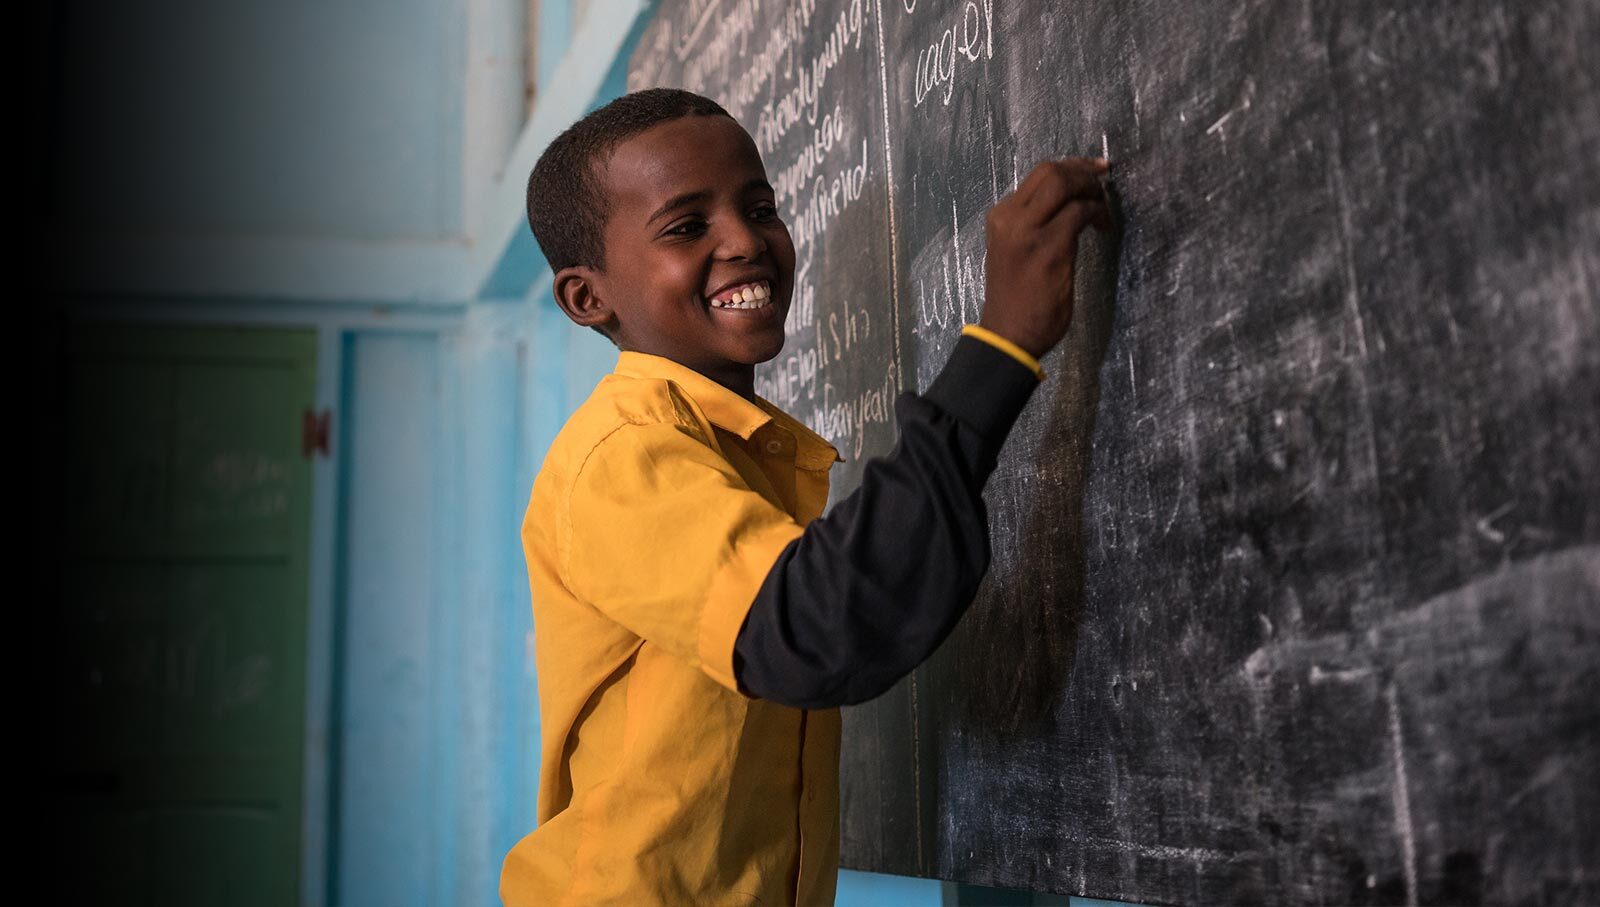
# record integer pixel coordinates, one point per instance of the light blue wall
(390, 672)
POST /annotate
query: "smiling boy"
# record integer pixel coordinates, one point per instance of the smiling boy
(698, 622)
(652, 296)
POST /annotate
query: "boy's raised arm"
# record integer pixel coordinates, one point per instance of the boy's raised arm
(872, 588)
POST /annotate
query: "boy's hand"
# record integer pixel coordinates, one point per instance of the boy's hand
(1033, 247)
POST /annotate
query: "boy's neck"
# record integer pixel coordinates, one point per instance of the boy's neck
(741, 381)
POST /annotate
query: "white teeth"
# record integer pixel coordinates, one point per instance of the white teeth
(753, 296)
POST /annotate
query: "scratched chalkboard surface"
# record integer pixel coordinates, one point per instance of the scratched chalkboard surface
(1295, 595)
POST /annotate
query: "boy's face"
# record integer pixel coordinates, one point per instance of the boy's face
(665, 262)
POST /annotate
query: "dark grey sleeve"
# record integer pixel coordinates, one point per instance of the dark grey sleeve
(872, 588)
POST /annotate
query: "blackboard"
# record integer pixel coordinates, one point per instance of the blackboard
(1295, 594)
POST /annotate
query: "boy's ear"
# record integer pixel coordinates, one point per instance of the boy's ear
(574, 290)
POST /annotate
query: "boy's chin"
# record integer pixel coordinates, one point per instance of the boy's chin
(756, 353)
(767, 355)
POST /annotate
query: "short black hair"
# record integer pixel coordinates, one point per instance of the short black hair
(567, 204)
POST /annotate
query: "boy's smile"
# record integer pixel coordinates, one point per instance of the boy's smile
(691, 221)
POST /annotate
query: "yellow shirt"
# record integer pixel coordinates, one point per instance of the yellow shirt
(658, 512)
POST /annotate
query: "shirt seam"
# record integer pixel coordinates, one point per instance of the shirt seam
(565, 537)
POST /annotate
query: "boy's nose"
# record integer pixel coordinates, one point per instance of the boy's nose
(740, 239)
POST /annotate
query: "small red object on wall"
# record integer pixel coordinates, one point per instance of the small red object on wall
(314, 433)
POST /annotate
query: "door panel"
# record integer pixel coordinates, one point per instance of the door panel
(180, 685)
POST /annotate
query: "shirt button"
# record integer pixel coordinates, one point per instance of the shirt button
(774, 446)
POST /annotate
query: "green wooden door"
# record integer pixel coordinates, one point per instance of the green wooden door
(181, 692)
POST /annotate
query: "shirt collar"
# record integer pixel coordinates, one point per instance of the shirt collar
(726, 409)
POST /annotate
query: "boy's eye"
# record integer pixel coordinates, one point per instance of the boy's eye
(687, 227)
(690, 227)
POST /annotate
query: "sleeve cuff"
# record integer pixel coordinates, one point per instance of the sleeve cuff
(983, 387)
(995, 340)
(731, 595)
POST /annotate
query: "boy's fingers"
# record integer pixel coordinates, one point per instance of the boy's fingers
(1102, 219)
(1081, 176)
(1064, 181)
(1072, 217)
